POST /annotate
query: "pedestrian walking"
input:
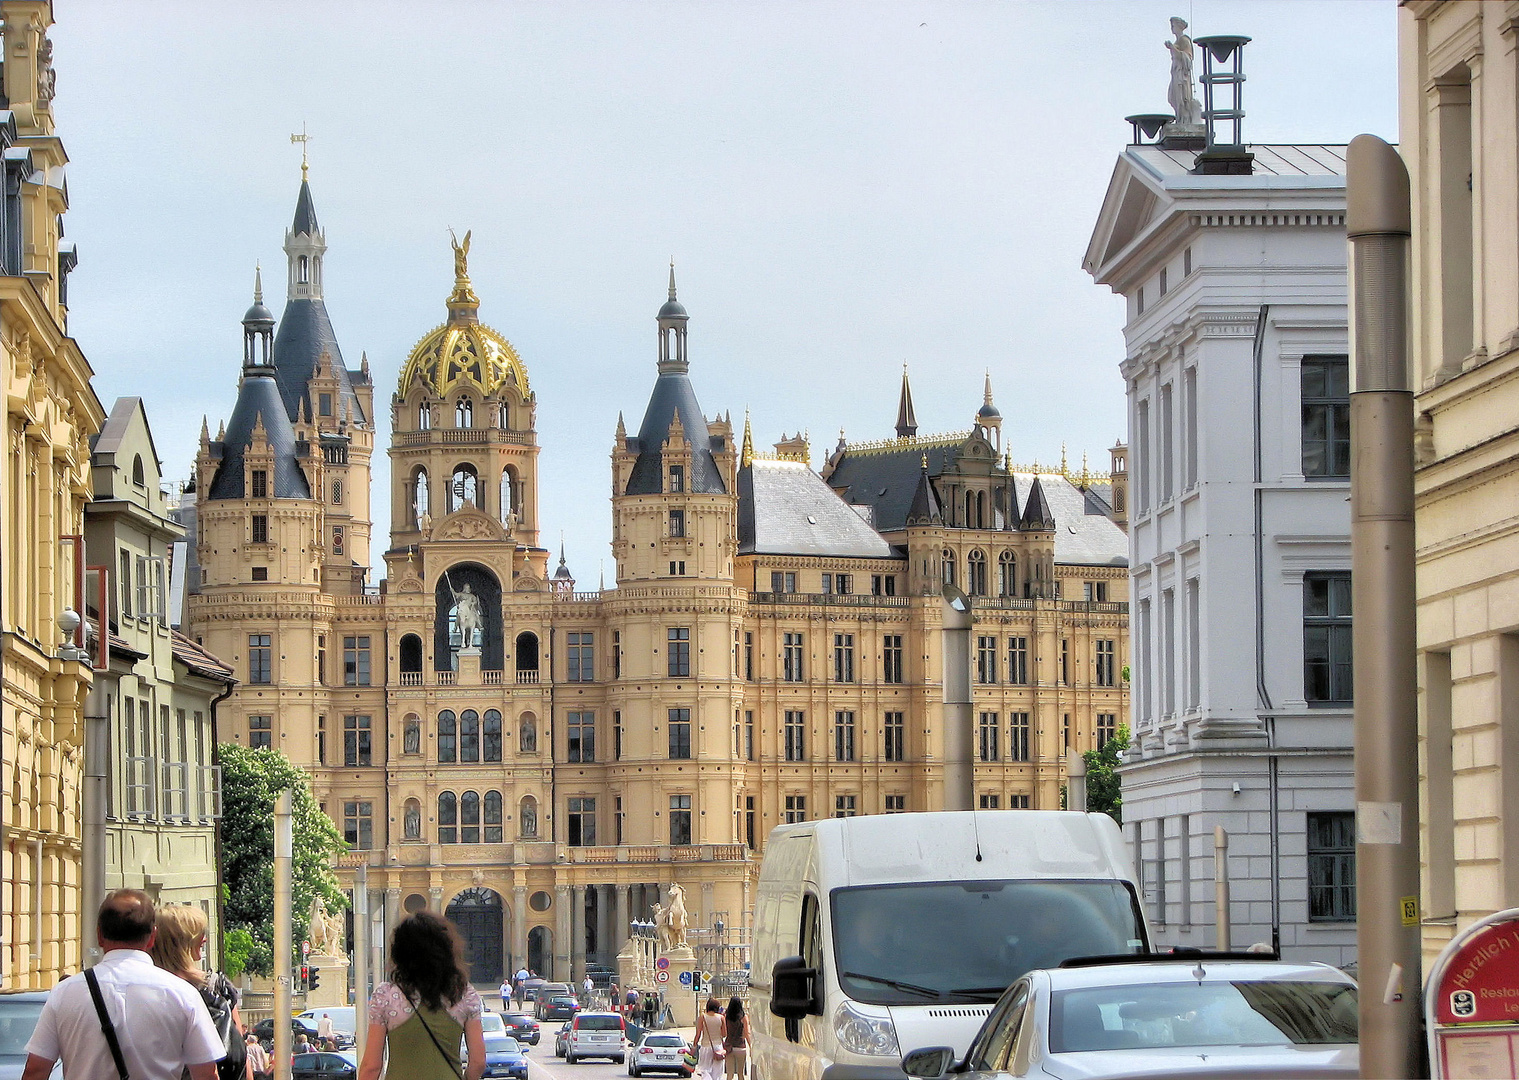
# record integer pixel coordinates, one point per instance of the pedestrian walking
(324, 1029)
(589, 986)
(258, 1059)
(420, 1016)
(177, 949)
(124, 1017)
(710, 1051)
(506, 993)
(735, 1040)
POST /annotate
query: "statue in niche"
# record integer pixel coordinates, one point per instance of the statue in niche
(1179, 93)
(412, 741)
(529, 818)
(413, 821)
(469, 615)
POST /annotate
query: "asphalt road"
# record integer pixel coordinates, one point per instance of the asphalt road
(543, 1065)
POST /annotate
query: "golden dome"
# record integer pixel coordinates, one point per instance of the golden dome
(462, 350)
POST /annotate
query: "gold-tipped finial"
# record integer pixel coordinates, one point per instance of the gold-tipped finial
(924, 462)
(746, 458)
(463, 304)
(304, 140)
(1063, 470)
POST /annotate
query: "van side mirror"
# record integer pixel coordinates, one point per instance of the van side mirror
(929, 1064)
(794, 989)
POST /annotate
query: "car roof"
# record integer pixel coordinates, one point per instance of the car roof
(597, 1012)
(24, 995)
(1182, 969)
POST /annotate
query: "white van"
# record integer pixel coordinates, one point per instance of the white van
(876, 935)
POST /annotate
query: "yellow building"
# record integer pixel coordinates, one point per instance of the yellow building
(1459, 87)
(539, 762)
(50, 414)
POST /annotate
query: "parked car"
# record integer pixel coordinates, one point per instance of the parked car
(343, 1023)
(546, 993)
(596, 1034)
(1196, 1015)
(19, 1010)
(659, 1051)
(521, 1027)
(562, 1040)
(264, 1029)
(324, 1066)
(493, 1023)
(505, 1056)
(558, 1007)
(530, 988)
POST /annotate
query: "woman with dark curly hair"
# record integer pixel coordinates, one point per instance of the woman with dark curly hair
(420, 1015)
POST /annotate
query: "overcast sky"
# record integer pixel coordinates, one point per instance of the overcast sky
(843, 187)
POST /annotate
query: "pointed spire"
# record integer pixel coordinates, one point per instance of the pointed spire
(221, 431)
(364, 363)
(300, 411)
(907, 421)
(205, 431)
(925, 504)
(987, 397)
(622, 430)
(746, 459)
(258, 283)
(672, 277)
(1036, 515)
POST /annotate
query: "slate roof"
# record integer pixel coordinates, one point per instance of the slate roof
(673, 394)
(1084, 534)
(305, 331)
(888, 479)
(305, 213)
(784, 508)
(199, 660)
(1279, 159)
(258, 397)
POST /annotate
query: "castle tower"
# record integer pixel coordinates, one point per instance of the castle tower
(989, 419)
(465, 441)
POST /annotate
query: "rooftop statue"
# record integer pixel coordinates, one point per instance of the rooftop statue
(1184, 104)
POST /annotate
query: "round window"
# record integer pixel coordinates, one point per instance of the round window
(415, 902)
(540, 901)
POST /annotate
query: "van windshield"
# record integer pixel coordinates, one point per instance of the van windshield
(919, 944)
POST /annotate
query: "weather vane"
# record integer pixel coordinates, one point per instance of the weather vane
(304, 140)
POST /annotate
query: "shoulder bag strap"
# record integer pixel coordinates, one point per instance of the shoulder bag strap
(416, 1008)
(106, 1027)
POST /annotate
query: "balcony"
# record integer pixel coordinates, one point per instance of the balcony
(527, 678)
(830, 599)
(411, 678)
(448, 678)
(492, 678)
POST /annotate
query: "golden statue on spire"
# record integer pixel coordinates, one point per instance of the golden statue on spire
(463, 303)
(461, 255)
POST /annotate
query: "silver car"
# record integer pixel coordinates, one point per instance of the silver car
(1190, 1016)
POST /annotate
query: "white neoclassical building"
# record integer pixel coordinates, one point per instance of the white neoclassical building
(1236, 371)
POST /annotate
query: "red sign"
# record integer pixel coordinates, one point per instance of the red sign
(1480, 981)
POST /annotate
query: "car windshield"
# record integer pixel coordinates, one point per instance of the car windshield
(515, 1018)
(599, 1023)
(664, 1040)
(18, 1019)
(968, 941)
(505, 1044)
(492, 1022)
(1202, 1014)
(561, 1001)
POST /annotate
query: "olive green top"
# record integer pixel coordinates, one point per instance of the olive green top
(413, 1053)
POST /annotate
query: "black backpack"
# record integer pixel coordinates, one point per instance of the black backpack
(220, 998)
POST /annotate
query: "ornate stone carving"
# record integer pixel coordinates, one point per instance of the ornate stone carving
(469, 524)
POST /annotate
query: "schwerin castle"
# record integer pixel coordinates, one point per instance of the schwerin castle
(539, 762)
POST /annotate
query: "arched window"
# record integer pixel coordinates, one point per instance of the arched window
(448, 818)
(411, 735)
(492, 745)
(138, 477)
(424, 416)
(302, 270)
(447, 734)
(1118, 500)
(527, 657)
(464, 413)
(492, 817)
(527, 818)
(469, 735)
(970, 510)
(980, 509)
(337, 493)
(947, 564)
(411, 822)
(527, 734)
(469, 818)
(975, 574)
(419, 496)
(508, 494)
(411, 655)
(465, 489)
(1007, 574)
(503, 416)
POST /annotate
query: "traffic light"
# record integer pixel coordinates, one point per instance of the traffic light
(305, 975)
(312, 980)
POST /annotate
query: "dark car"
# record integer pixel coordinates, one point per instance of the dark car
(562, 1040)
(521, 1027)
(264, 1029)
(19, 1010)
(558, 1007)
(324, 1066)
(504, 1056)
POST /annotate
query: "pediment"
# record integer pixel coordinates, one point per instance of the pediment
(1130, 207)
(469, 523)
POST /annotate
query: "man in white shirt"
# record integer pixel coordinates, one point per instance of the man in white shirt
(324, 1029)
(161, 1023)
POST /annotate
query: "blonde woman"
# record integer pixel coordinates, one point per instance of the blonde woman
(177, 949)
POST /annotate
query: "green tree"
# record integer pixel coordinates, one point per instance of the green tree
(1103, 793)
(251, 781)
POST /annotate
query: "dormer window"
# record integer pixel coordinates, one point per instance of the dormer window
(677, 479)
(260, 484)
(324, 404)
(464, 413)
(677, 523)
(138, 476)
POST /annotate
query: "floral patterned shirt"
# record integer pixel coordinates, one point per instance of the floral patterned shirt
(389, 1007)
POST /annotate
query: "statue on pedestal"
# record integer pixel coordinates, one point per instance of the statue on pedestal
(324, 931)
(1183, 102)
(672, 920)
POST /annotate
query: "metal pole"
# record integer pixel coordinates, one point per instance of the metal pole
(1379, 223)
(284, 853)
(1076, 781)
(97, 734)
(1221, 886)
(959, 721)
(361, 937)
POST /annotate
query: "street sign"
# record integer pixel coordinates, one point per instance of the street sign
(662, 963)
(1471, 1001)
(685, 978)
(662, 975)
